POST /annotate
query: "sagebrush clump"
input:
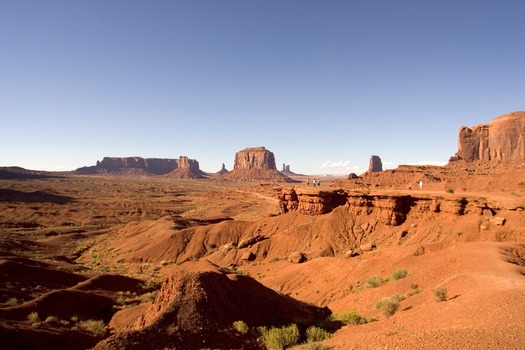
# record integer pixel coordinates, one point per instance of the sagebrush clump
(315, 334)
(279, 338)
(241, 327)
(389, 306)
(440, 293)
(374, 281)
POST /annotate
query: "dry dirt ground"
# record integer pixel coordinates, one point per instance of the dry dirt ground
(147, 263)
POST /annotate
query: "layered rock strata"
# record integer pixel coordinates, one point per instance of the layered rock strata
(503, 139)
(388, 209)
(130, 166)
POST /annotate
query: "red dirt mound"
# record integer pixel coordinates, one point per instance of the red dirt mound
(197, 310)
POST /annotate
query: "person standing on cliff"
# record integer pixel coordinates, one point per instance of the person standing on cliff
(318, 183)
(308, 182)
(314, 182)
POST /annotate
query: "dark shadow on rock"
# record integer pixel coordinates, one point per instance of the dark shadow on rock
(7, 195)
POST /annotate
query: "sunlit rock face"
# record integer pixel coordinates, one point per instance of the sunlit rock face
(503, 139)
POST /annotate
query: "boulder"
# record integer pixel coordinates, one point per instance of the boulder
(248, 256)
(498, 221)
(367, 247)
(297, 257)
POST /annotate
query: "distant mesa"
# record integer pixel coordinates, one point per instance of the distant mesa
(186, 169)
(256, 163)
(126, 166)
(503, 139)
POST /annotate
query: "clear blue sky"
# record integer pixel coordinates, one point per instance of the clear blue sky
(322, 84)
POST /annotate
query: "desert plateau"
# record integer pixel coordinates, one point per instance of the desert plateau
(137, 253)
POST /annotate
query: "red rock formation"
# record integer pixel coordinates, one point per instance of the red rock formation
(255, 163)
(502, 139)
(187, 169)
(130, 166)
(375, 164)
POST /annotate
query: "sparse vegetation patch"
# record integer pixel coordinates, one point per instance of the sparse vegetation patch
(279, 338)
(389, 306)
(440, 294)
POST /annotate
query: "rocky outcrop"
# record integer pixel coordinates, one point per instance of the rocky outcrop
(310, 201)
(187, 169)
(503, 139)
(223, 170)
(253, 164)
(287, 172)
(390, 210)
(130, 166)
(375, 165)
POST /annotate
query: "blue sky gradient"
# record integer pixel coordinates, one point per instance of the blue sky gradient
(322, 84)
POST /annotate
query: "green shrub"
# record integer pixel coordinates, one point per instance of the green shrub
(315, 334)
(399, 274)
(440, 293)
(96, 327)
(12, 302)
(389, 306)
(279, 338)
(414, 289)
(352, 317)
(33, 317)
(52, 319)
(374, 281)
(241, 327)
(449, 190)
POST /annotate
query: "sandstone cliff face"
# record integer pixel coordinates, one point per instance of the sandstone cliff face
(256, 158)
(255, 163)
(503, 139)
(387, 209)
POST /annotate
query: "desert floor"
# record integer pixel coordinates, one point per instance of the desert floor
(79, 248)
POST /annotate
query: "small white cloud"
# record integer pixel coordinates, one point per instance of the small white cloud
(332, 164)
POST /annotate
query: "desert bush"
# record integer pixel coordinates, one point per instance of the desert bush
(33, 317)
(279, 338)
(399, 274)
(275, 260)
(350, 317)
(315, 334)
(389, 306)
(96, 327)
(241, 327)
(12, 302)
(374, 281)
(414, 289)
(52, 319)
(148, 297)
(449, 190)
(440, 293)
